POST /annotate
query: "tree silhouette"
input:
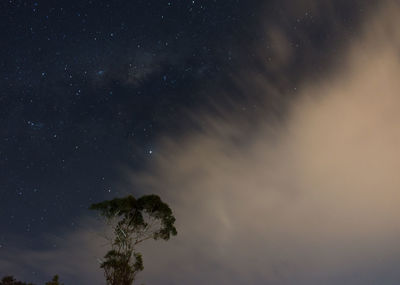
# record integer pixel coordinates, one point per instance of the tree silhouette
(54, 281)
(133, 221)
(10, 280)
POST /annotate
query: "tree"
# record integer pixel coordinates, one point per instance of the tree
(133, 221)
(54, 281)
(10, 280)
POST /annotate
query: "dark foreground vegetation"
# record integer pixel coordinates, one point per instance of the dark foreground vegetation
(131, 221)
(10, 280)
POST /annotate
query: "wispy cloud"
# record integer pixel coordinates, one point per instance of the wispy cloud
(73, 256)
(310, 199)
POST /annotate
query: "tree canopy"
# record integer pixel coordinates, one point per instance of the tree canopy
(133, 221)
(10, 280)
(54, 281)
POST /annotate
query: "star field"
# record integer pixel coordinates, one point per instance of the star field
(87, 87)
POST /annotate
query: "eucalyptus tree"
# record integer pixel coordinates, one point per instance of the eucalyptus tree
(132, 222)
(54, 281)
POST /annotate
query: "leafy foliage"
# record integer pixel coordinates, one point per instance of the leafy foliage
(133, 221)
(54, 281)
(10, 280)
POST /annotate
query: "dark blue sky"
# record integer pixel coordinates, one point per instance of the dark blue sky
(88, 87)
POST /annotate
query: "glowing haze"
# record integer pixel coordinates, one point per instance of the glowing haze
(311, 198)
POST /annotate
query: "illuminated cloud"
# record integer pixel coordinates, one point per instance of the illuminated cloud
(312, 198)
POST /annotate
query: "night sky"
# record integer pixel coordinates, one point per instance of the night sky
(92, 93)
(88, 85)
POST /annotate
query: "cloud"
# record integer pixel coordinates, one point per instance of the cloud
(310, 198)
(73, 256)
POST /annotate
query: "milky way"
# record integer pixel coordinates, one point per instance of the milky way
(99, 98)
